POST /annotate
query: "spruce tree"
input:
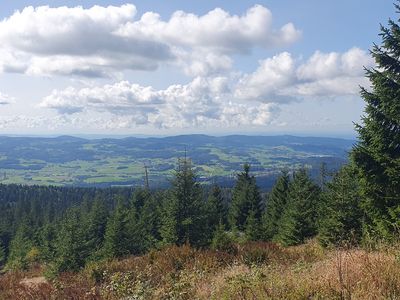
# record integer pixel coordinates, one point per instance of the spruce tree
(221, 239)
(252, 227)
(132, 231)
(275, 205)
(115, 240)
(299, 220)
(377, 154)
(20, 246)
(341, 216)
(47, 237)
(216, 209)
(70, 243)
(95, 226)
(149, 224)
(183, 215)
(246, 198)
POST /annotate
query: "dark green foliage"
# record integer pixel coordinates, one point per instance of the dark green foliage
(20, 245)
(216, 209)
(341, 216)
(183, 213)
(299, 220)
(222, 240)
(95, 225)
(47, 236)
(71, 252)
(275, 205)
(252, 227)
(148, 224)
(246, 198)
(115, 240)
(2, 254)
(377, 154)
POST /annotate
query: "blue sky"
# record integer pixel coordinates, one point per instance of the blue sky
(172, 67)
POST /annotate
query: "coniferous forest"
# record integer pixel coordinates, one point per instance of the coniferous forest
(191, 230)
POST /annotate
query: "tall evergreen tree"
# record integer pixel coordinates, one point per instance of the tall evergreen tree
(183, 215)
(149, 223)
(47, 237)
(341, 216)
(300, 216)
(70, 243)
(115, 240)
(95, 228)
(246, 198)
(377, 154)
(252, 227)
(132, 230)
(216, 209)
(20, 245)
(275, 205)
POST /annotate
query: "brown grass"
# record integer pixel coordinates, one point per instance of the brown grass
(254, 271)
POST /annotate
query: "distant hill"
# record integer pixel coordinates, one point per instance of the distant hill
(68, 160)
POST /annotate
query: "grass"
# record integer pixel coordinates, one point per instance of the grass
(252, 271)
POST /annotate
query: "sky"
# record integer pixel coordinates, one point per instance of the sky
(180, 67)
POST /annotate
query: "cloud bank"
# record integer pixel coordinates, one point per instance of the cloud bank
(253, 99)
(99, 41)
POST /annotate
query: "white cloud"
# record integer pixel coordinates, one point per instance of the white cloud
(217, 30)
(203, 102)
(282, 78)
(98, 41)
(5, 99)
(76, 41)
(216, 101)
(270, 81)
(121, 98)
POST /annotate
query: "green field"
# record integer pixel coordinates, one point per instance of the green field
(105, 162)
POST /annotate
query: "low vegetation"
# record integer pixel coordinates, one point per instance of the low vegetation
(255, 270)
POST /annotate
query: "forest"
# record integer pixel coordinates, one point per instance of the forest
(191, 227)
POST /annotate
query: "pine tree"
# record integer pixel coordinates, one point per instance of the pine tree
(275, 205)
(20, 246)
(95, 228)
(252, 227)
(47, 236)
(70, 243)
(299, 220)
(246, 198)
(183, 215)
(149, 224)
(221, 239)
(216, 210)
(341, 216)
(377, 154)
(115, 240)
(132, 231)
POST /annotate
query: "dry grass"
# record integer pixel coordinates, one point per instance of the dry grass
(253, 271)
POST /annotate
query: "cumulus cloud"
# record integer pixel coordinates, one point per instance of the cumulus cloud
(252, 99)
(270, 81)
(216, 30)
(200, 103)
(75, 40)
(5, 99)
(333, 74)
(97, 41)
(282, 78)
